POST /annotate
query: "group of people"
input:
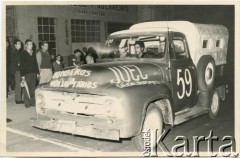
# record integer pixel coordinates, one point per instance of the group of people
(86, 56)
(29, 68)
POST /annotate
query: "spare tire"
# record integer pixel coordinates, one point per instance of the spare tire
(206, 73)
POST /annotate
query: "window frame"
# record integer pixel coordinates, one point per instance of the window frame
(45, 35)
(83, 30)
(221, 43)
(207, 44)
(186, 50)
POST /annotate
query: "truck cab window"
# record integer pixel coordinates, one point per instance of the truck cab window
(150, 47)
(178, 48)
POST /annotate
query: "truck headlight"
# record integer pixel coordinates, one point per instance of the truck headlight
(40, 102)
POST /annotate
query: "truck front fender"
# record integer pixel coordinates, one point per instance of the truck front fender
(136, 99)
(162, 101)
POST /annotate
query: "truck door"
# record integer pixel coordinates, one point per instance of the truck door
(183, 72)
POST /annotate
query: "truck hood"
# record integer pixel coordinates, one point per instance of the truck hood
(95, 78)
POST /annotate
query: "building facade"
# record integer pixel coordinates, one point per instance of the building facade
(68, 27)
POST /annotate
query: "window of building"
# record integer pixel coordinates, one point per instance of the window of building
(46, 32)
(85, 30)
(116, 26)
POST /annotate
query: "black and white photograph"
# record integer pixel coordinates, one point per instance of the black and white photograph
(119, 79)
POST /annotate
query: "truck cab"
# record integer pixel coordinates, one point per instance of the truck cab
(170, 49)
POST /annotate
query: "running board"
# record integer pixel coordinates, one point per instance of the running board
(190, 113)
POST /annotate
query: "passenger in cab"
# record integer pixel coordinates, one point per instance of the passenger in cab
(139, 49)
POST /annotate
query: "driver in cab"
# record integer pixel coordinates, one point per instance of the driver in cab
(121, 52)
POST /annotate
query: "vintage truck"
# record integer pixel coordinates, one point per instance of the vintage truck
(121, 97)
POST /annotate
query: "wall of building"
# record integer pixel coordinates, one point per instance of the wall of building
(27, 24)
(26, 20)
(155, 12)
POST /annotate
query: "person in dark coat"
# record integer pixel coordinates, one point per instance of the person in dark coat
(15, 69)
(8, 68)
(29, 73)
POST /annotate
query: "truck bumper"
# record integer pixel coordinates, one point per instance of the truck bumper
(76, 128)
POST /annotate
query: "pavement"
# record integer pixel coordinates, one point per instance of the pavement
(22, 137)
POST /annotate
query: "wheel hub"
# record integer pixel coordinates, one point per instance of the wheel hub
(209, 73)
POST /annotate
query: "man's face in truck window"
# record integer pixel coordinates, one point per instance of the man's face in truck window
(138, 49)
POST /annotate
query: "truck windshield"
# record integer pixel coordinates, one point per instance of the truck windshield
(136, 47)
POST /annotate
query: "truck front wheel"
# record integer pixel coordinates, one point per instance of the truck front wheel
(153, 121)
(206, 73)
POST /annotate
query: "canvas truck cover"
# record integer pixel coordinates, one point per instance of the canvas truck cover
(203, 39)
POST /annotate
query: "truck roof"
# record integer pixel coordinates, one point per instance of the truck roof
(185, 27)
(141, 31)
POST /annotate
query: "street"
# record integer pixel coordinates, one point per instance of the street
(22, 137)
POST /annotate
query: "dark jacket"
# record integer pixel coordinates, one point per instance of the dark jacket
(9, 59)
(15, 60)
(28, 63)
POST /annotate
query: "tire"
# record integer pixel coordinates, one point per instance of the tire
(153, 120)
(206, 73)
(215, 105)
